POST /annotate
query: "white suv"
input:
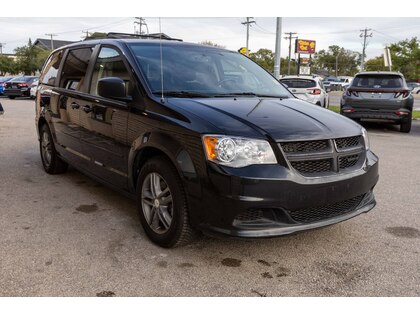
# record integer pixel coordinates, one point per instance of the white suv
(307, 88)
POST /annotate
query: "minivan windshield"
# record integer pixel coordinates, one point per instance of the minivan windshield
(200, 71)
(378, 81)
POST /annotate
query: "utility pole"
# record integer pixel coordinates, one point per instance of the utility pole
(247, 23)
(290, 37)
(336, 65)
(52, 42)
(1, 48)
(277, 60)
(86, 33)
(364, 34)
(141, 21)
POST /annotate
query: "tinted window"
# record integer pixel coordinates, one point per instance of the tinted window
(109, 64)
(74, 69)
(49, 73)
(298, 83)
(203, 70)
(378, 81)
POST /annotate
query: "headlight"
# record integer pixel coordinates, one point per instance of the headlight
(238, 152)
(366, 138)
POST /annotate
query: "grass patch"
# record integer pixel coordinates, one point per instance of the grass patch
(336, 109)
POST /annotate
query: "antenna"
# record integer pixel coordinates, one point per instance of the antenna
(162, 99)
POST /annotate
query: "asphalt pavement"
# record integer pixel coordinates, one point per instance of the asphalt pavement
(67, 235)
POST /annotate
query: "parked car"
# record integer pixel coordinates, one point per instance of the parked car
(33, 89)
(209, 142)
(413, 85)
(416, 90)
(331, 84)
(345, 81)
(379, 96)
(3, 80)
(307, 88)
(19, 86)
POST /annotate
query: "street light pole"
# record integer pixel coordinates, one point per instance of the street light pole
(52, 42)
(277, 60)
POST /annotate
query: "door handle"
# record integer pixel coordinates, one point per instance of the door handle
(87, 109)
(74, 105)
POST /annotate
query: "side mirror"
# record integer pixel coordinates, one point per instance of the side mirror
(113, 88)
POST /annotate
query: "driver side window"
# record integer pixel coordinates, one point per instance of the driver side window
(110, 64)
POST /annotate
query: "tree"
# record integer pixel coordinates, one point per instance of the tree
(30, 58)
(210, 43)
(7, 65)
(265, 58)
(376, 64)
(405, 57)
(336, 59)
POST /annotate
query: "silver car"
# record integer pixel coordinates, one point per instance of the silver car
(307, 88)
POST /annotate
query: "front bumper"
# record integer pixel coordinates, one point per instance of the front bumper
(277, 193)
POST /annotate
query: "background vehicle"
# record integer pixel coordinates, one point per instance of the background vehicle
(307, 88)
(331, 84)
(3, 80)
(33, 89)
(413, 85)
(205, 139)
(379, 96)
(19, 86)
(345, 81)
(416, 90)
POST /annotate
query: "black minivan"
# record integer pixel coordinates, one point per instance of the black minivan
(202, 137)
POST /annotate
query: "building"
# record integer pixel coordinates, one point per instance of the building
(46, 43)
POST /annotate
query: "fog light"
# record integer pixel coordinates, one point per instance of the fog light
(350, 110)
(401, 113)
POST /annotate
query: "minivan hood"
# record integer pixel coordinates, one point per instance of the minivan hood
(280, 119)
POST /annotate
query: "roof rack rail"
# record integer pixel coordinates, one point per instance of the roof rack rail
(142, 36)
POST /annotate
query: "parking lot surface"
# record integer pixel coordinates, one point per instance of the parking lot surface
(66, 235)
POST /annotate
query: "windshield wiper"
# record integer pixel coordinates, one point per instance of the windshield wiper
(250, 94)
(180, 94)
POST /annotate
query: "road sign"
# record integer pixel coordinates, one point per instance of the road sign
(243, 51)
(304, 70)
(305, 46)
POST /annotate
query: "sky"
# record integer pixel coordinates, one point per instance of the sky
(192, 21)
(226, 31)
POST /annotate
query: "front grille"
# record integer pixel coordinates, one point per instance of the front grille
(314, 166)
(345, 143)
(324, 212)
(304, 146)
(322, 157)
(348, 161)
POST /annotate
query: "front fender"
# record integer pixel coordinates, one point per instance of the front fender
(149, 144)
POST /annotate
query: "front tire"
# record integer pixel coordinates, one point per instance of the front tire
(162, 204)
(52, 163)
(12, 97)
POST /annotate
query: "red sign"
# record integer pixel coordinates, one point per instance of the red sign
(305, 46)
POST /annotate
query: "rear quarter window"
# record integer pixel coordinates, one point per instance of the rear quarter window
(378, 81)
(49, 73)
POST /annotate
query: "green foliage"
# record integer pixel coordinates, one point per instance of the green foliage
(210, 43)
(405, 57)
(346, 61)
(30, 58)
(7, 65)
(265, 58)
(376, 64)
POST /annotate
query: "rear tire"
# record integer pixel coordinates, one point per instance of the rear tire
(52, 163)
(12, 97)
(162, 204)
(406, 125)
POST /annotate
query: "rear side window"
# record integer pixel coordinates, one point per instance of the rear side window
(50, 71)
(299, 83)
(74, 69)
(378, 81)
